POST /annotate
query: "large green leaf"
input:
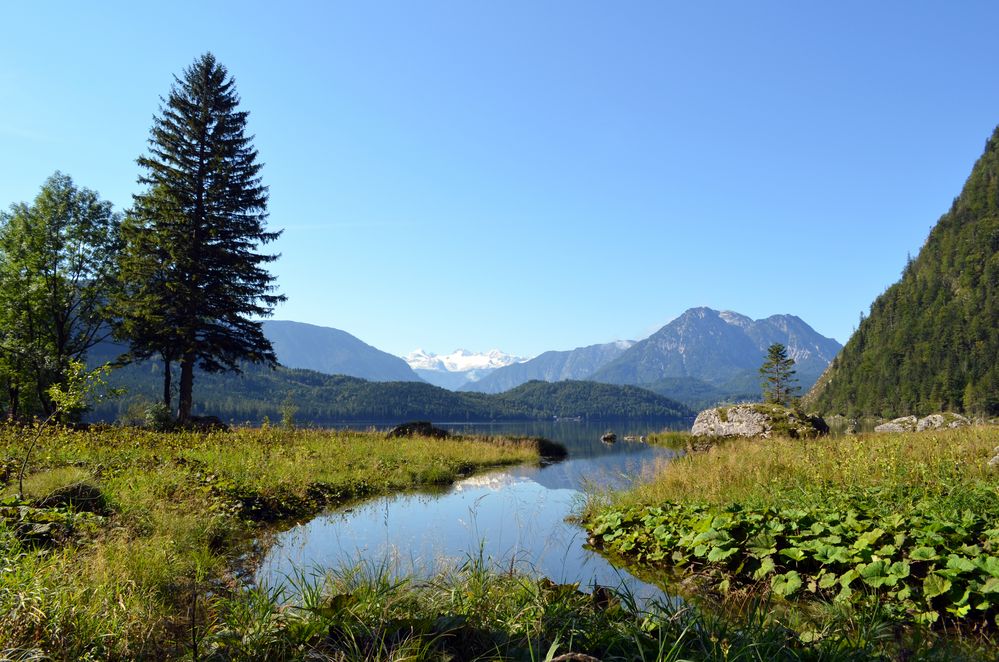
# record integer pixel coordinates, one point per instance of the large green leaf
(935, 585)
(721, 553)
(793, 553)
(766, 567)
(924, 554)
(787, 584)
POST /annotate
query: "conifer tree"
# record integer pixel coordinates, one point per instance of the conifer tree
(195, 279)
(777, 373)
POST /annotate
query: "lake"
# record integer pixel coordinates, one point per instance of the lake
(512, 517)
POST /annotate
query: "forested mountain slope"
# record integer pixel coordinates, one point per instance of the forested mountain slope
(931, 341)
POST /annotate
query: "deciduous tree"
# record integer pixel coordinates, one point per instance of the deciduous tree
(58, 260)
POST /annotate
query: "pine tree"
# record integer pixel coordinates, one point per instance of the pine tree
(194, 277)
(778, 380)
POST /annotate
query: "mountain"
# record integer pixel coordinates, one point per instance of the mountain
(322, 399)
(931, 341)
(722, 349)
(458, 368)
(554, 366)
(334, 352)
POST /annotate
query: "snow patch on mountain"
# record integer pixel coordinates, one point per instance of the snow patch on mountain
(461, 360)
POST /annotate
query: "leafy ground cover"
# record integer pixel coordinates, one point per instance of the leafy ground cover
(907, 525)
(122, 533)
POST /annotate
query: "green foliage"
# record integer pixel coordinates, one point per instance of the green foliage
(777, 373)
(58, 257)
(193, 284)
(902, 526)
(68, 397)
(928, 564)
(931, 340)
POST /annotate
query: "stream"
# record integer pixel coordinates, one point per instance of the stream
(513, 518)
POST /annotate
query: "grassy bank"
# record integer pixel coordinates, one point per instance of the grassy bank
(903, 526)
(122, 532)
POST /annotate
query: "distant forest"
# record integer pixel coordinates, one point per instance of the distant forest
(312, 397)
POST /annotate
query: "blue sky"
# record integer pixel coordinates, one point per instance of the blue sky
(540, 175)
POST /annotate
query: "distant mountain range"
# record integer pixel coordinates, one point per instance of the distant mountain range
(720, 349)
(554, 366)
(699, 359)
(459, 368)
(334, 352)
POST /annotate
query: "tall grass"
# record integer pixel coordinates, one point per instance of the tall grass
(175, 511)
(943, 463)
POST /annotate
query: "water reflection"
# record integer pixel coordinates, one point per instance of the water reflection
(514, 518)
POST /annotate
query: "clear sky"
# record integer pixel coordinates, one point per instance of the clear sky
(539, 175)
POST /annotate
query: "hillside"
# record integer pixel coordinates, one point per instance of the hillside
(553, 366)
(334, 352)
(326, 399)
(931, 341)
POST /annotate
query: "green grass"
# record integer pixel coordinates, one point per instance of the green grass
(171, 513)
(905, 526)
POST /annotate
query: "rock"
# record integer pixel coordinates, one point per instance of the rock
(759, 420)
(82, 496)
(944, 420)
(608, 438)
(931, 422)
(900, 424)
(205, 424)
(417, 429)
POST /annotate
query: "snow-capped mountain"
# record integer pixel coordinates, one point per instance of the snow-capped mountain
(458, 368)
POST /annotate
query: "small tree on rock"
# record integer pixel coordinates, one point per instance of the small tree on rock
(777, 376)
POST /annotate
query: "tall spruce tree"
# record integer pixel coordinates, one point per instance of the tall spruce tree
(777, 376)
(195, 279)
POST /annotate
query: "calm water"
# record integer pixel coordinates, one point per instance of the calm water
(513, 517)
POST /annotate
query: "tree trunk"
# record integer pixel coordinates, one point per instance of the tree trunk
(166, 382)
(13, 399)
(186, 387)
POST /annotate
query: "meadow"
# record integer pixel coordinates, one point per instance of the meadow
(126, 541)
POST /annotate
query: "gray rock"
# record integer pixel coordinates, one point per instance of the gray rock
(900, 424)
(756, 421)
(931, 422)
(944, 420)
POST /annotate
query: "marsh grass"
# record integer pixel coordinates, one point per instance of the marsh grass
(477, 612)
(178, 509)
(902, 466)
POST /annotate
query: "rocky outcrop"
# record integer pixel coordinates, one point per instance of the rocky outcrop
(945, 420)
(900, 424)
(931, 422)
(757, 420)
